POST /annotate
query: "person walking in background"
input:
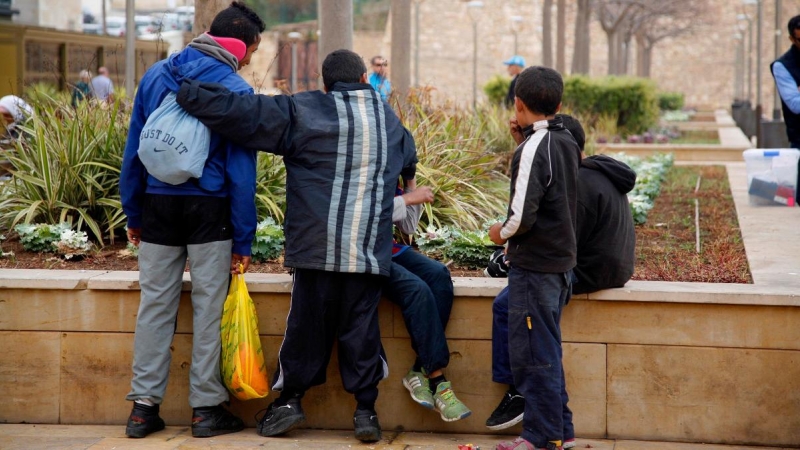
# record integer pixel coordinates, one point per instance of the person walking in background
(605, 242)
(423, 289)
(514, 66)
(378, 79)
(540, 230)
(102, 86)
(82, 90)
(344, 151)
(211, 220)
(13, 111)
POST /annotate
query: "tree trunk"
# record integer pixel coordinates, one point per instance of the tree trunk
(640, 44)
(401, 46)
(561, 36)
(335, 26)
(547, 33)
(580, 57)
(647, 59)
(612, 52)
(204, 13)
(624, 53)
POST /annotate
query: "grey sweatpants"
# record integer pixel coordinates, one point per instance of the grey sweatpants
(160, 276)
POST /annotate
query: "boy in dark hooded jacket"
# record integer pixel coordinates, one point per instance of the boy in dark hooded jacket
(211, 220)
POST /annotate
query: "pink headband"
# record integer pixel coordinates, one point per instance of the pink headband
(236, 47)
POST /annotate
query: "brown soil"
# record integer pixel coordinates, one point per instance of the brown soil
(115, 257)
(665, 244)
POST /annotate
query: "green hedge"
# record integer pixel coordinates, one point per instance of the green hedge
(496, 89)
(670, 101)
(629, 103)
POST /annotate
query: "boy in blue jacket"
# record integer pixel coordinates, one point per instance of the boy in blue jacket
(210, 219)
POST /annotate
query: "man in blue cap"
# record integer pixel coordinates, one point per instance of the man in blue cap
(515, 65)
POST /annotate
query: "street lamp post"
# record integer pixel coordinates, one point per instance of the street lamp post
(294, 37)
(473, 8)
(738, 79)
(776, 101)
(417, 5)
(745, 17)
(515, 24)
(759, 16)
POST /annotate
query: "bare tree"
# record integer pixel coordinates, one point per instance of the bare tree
(547, 33)
(664, 20)
(646, 21)
(205, 11)
(561, 34)
(580, 56)
(612, 15)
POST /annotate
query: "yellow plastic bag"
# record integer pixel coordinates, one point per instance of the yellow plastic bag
(243, 369)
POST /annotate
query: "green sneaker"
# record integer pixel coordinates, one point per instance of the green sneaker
(448, 405)
(418, 387)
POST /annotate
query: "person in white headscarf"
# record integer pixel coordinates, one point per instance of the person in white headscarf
(14, 110)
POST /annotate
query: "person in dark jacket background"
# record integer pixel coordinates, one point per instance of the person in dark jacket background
(344, 151)
(786, 71)
(605, 242)
(211, 220)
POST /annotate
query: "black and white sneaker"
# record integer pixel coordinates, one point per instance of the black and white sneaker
(508, 413)
(280, 419)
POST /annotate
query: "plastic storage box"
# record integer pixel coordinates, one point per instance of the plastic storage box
(772, 176)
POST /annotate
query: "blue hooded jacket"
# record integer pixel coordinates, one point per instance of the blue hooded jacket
(229, 171)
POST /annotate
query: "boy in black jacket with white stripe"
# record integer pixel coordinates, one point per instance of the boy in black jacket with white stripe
(540, 230)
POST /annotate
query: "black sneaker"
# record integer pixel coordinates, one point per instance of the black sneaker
(143, 421)
(280, 419)
(368, 429)
(213, 421)
(508, 413)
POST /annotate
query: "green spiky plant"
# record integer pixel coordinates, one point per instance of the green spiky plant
(66, 169)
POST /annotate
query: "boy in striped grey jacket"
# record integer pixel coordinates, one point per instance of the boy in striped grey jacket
(344, 151)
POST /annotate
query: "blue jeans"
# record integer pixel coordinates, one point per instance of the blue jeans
(423, 290)
(533, 304)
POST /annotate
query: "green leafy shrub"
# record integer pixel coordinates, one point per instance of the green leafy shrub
(270, 186)
(670, 101)
(66, 169)
(469, 249)
(650, 174)
(629, 101)
(458, 154)
(268, 241)
(61, 239)
(496, 89)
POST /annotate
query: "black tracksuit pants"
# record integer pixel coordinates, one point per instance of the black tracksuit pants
(327, 306)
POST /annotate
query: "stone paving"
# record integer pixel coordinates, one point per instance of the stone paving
(106, 437)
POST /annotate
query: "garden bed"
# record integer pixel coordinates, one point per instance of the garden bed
(665, 243)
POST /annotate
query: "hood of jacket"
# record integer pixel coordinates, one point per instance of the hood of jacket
(194, 63)
(620, 175)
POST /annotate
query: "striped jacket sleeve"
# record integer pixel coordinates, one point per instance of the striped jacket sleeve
(531, 176)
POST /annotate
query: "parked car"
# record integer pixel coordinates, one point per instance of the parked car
(164, 22)
(115, 26)
(143, 24)
(92, 28)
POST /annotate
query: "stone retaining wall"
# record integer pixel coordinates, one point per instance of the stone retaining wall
(689, 362)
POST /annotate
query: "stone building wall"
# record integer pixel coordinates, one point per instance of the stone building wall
(59, 14)
(701, 64)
